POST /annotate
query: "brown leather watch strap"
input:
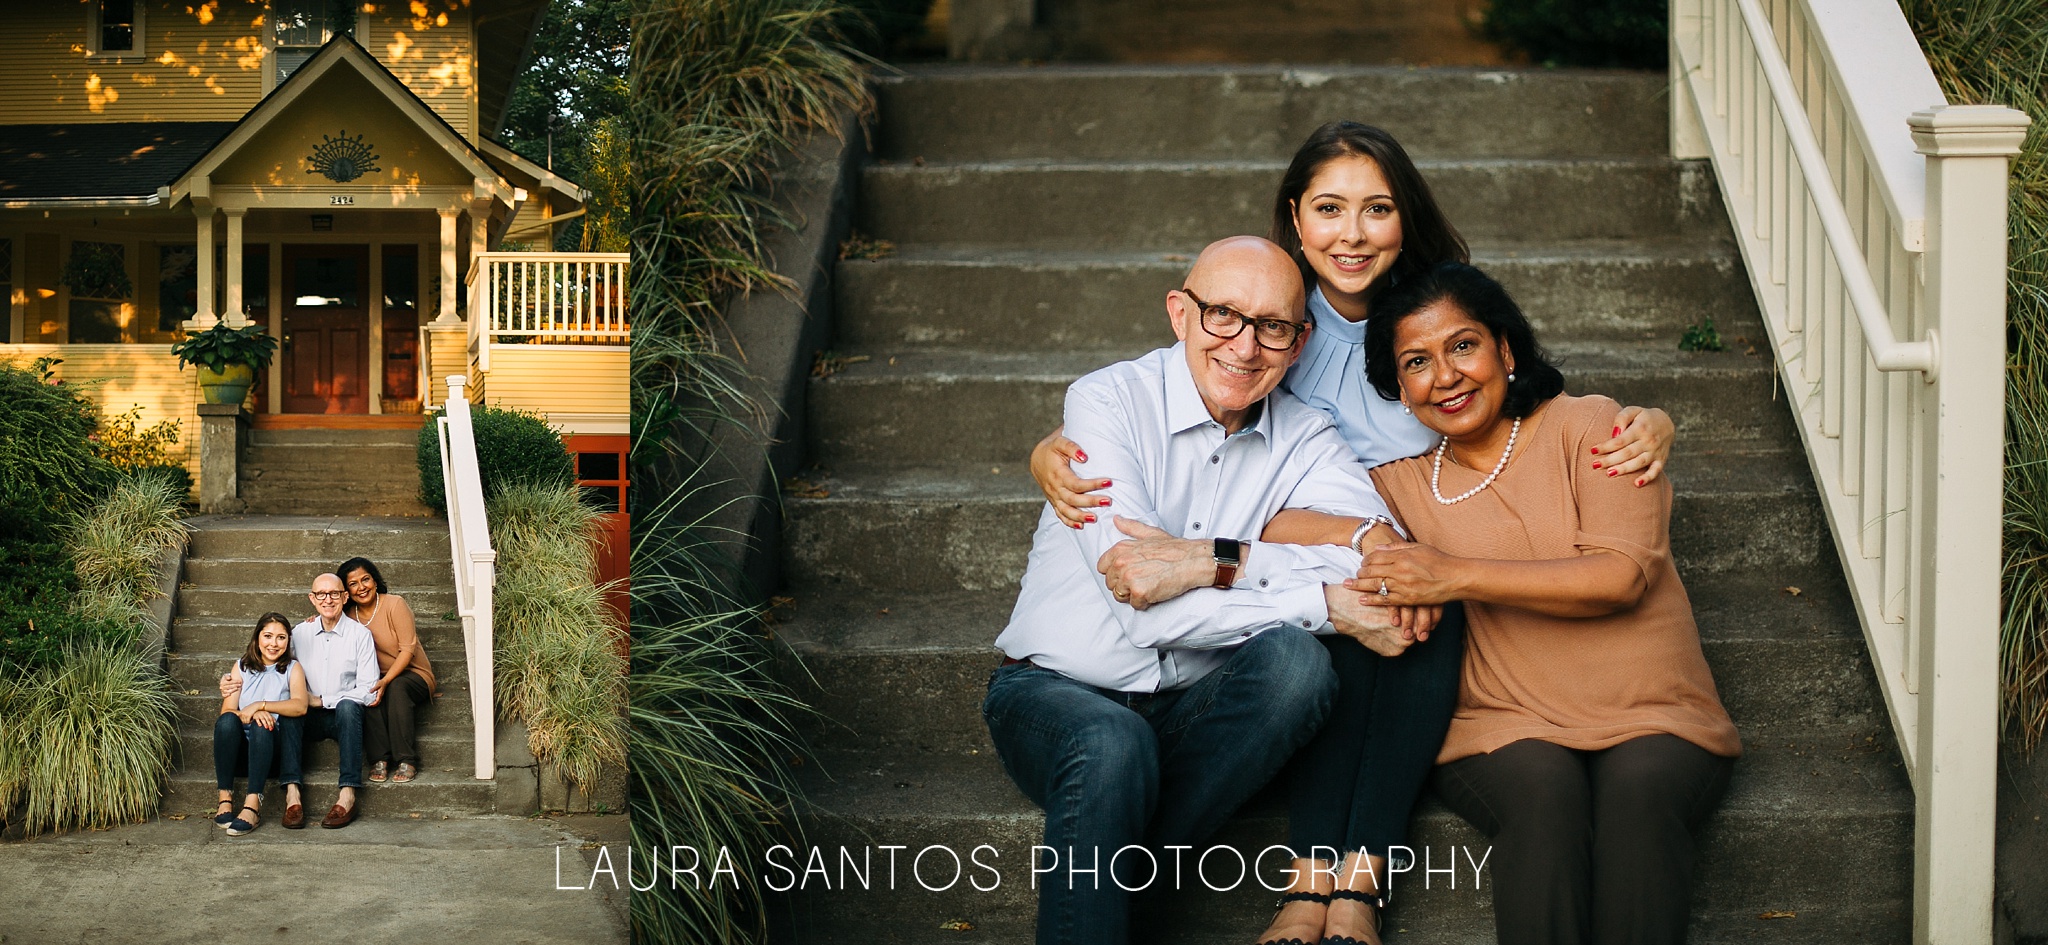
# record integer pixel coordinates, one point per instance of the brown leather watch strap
(1229, 557)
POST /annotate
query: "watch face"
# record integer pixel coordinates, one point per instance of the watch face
(1227, 551)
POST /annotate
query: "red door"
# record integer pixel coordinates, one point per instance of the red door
(326, 351)
(601, 471)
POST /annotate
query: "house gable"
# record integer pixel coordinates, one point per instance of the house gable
(341, 104)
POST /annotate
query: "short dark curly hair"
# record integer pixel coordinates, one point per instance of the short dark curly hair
(1537, 378)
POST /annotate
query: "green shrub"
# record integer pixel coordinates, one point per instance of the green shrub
(48, 464)
(125, 444)
(19, 705)
(115, 547)
(37, 589)
(513, 447)
(1626, 34)
(103, 725)
(558, 668)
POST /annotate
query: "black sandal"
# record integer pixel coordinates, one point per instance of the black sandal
(1375, 900)
(1314, 897)
(242, 827)
(222, 818)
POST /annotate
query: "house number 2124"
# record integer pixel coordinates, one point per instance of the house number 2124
(341, 200)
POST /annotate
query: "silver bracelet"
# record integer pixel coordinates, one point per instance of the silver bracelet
(1358, 537)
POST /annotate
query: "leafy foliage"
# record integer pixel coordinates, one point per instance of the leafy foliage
(126, 444)
(1701, 336)
(557, 117)
(1627, 34)
(97, 270)
(47, 462)
(1995, 52)
(216, 348)
(513, 447)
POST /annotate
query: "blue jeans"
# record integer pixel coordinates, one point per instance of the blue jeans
(1354, 785)
(265, 746)
(344, 724)
(1113, 769)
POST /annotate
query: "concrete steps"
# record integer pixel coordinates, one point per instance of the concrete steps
(330, 472)
(240, 566)
(1039, 216)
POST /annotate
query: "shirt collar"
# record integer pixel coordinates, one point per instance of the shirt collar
(1185, 409)
(1331, 325)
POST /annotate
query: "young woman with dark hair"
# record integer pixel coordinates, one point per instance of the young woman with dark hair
(1358, 218)
(390, 733)
(260, 721)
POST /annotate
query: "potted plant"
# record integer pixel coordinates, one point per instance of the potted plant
(227, 360)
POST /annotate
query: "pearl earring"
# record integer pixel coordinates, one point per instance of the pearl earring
(1511, 377)
(1404, 409)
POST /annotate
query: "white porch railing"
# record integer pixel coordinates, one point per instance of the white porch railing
(1872, 217)
(550, 298)
(469, 540)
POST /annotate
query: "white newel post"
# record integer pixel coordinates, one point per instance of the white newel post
(1968, 149)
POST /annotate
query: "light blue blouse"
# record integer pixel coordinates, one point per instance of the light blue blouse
(264, 686)
(1331, 377)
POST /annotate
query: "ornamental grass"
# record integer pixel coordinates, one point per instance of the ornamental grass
(1996, 52)
(557, 667)
(102, 725)
(722, 89)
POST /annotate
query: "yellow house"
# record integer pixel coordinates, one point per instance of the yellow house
(326, 173)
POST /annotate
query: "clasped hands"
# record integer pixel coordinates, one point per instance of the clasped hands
(1155, 566)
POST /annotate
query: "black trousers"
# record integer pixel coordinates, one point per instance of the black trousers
(1589, 847)
(389, 733)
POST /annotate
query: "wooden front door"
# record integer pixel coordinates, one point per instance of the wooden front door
(326, 351)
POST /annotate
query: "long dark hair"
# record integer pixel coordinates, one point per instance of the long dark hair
(1427, 236)
(1475, 293)
(252, 656)
(364, 565)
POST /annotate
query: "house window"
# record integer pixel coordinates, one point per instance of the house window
(302, 27)
(177, 293)
(115, 28)
(98, 277)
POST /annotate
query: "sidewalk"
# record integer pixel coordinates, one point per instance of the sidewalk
(468, 878)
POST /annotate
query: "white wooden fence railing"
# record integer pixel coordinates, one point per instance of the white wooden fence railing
(546, 298)
(1872, 217)
(469, 540)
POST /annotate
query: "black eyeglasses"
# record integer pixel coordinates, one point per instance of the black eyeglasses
(1277, 334)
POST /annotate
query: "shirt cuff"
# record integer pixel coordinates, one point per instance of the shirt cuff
(1304, 607)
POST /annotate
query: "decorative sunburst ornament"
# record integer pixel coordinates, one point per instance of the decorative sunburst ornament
(342, 159)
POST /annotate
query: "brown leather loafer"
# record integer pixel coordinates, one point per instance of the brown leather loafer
(294, 817)
(338, 817)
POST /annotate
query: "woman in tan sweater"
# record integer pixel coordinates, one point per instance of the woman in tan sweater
(1588, 740)
(390, 735)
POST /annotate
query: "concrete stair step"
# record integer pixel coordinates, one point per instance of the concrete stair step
(201, 669)
(316, 538)
(1126, 206)
(1081, 112)
(324, 505)
(197, 711)
(997, 298)
(226, 635)
(1819, 827)
(439, 745)
(997, 405)
(401, 575)
(360, 481)
(349, 439)
(443, 787)
(907, 671)
(248, 603)
(930, 529)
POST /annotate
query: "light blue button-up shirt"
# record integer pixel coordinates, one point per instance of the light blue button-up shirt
(1331, 378)
(1144, 427)
(341, 664)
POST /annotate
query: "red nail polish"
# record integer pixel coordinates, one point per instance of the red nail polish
(1088, 518)
(1596, 465)
(1081, 456)
(1639, 482)
(1613, 473)
(1617, 431)
(1105, 483)
(1596, 451)
(1105, 500)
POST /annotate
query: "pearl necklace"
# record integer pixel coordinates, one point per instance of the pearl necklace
(1438, 469)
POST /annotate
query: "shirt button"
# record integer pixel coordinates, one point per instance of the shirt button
(1213, 460)
(1304, 623)
(1198, 526)
(1262, 582)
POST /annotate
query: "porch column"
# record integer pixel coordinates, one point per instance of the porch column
(207, 314)
(236, 314)
(447, 336)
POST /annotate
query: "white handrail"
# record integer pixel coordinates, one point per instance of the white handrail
(469, 542)
(1886, 351)
(1895, 212)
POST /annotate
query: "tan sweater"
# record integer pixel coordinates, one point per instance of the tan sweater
(1590, 682)
(391, 624)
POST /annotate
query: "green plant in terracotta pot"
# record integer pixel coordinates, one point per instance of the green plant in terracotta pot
(227, 360)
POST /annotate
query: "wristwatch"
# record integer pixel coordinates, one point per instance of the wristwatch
(1229, 557)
